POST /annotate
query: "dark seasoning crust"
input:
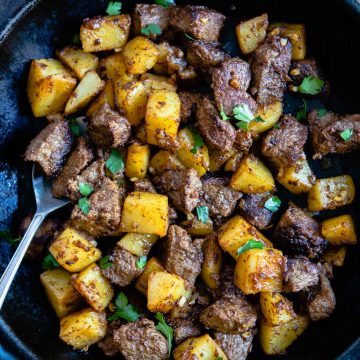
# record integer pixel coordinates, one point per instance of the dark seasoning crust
(192, 246)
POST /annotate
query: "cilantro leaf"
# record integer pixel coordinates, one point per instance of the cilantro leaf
(85, 189)
(76, 39)
(322, 112)
(272, 204)
(121, 300)
(114, 8)
(105, 263)
(198, 141)
(223, 116)
(251, 244)
(243, 113)
(347, 134)
(311, 85)
(165, 329)
(124, 310)
(49, 263)
(189, 37)
(259, 119)
(203, 214)
(301, 115)
(276, 126)
(165, 3)
(242, 125)
(115, 162)
(6, 235)
(74, 127)
(141, 262)
(84, 205)
(151, 29)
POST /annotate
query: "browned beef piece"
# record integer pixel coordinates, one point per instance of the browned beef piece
(184, 329)
(235, 347)
(270, 66)
(204, 54)
(145, 14)
(253, 210)
(325, 133)
(227, 287)
(123, 270)
(140, 340)
(187, 78)
(107, 344)
(189, 103)
(144, 185)
(284, 146)
(54, 117)
(243, 140)
(183, 186)
(79, 158)
(322, 300)
(297, 233)
(182, 257)
(175, 58)
(105, 210)
(231, 315)
(199, 22)
(50, 147)
(219, 197)
(217, 133)
(300, 274)
(109, 129)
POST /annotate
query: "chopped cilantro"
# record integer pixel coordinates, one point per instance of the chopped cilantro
(105, 263)
(223, 116)
(251, 244)
(84, 205)
(115, 162)
(276, 126)
(203, 214)
(198, 141)
(165, 329)
(347, 134)
(151, 29)
(141, 262)
(165, 3)
(114, 8)
(259, 119)
(49, 263)
(189, 37)
(301, 115)
(74, 127)
(273, 204)
(311, 85)
(243, 113)
(242, 125)
(85, 189)
(322, 112)
(124, 310)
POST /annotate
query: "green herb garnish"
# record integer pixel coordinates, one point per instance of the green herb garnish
(115, 162)
(85, 189)
(141, 262)
(165, 3)
(203, 214)
(243, 113)
(114, 8)
(163, 327)
(272, 204)
(198, 141)
(259, 119)
(322, 112)
(49, 263)
(347, 134)
(189, 37)
(242, 125)
(276, 126)
(74, 127)
(84, 205)
(105, 263)
(151, 29)
(301, 115)
(7, 236)
(223, 116)
(251, 244)
(124, 310)
(311, 85)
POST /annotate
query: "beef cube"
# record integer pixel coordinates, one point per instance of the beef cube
(123, 269)
(299, 234)
(109, 129)
(231, 315)
(217, 133)
(322, 300)
(107, 344)
(184, 329)
(235, 347)
(140, 340)
(182, 257)
(243, 140)
(79, 158)
(183, 186)
(50, 147)
(284, 146)
(227, 287)
(189, 102)
(253, 210)
(270, 66)
(105, 210)
(199, 22)
(144, 185)
(171, 59)
(300, 274)
(325, 133)
(220, 199)
(204, 54)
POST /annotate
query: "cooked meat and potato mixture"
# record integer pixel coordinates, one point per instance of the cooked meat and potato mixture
(172, 152)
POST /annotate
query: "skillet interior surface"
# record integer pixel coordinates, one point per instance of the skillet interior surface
(27, 323)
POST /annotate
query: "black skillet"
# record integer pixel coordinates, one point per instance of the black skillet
(33, 29)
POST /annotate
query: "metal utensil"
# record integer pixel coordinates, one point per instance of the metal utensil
(45, 204)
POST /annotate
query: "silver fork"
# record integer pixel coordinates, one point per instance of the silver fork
(45, 204)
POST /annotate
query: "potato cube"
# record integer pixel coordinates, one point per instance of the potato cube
(252, 176)
(138, 244)
(112, 67)
(162, 118)
(140, 55)
(331, 193)
(87, 89)
(106, 97)
(137, 161)
(276, 308)
(152, 265)
(105, 33)
(334, 255)
(94, 287)
(195, 227)
(163, 160)
(211, 267)
(202, 348)
(140, 134)
(217, 158)
(83, 328)
(190, 157)
(61, 294)
(164, 291)
(339, 230)
(233, 163)
(251, 33)
(236, 232)
(132, 98)
(145, 213)
(73, 252)
(259, 270)
(49, 87)
(77, 60)
(269, 113)
(155, 82)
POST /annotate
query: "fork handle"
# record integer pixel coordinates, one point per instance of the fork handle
(10, 272)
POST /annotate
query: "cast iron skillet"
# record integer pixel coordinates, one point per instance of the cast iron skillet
(33, 29)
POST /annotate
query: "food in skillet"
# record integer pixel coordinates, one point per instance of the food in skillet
(169, 149)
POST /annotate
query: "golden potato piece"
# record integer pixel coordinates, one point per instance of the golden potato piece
(49, 87)
(87, 89)
(94, 287)
(83, 328)
(155, 82)
(339, 230)
(105, 33)
(233, 163)
(164, 160)
(151, 266)
(195, 227)
(145, 213)
(140, 55)
(334, 255)
(137, 161)
(73, 252)
(106, 97)
(61, 294)
(138, 244)
(269, 113)
(217, 158)
(331, 193)
(112, 67)
(211, 267)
